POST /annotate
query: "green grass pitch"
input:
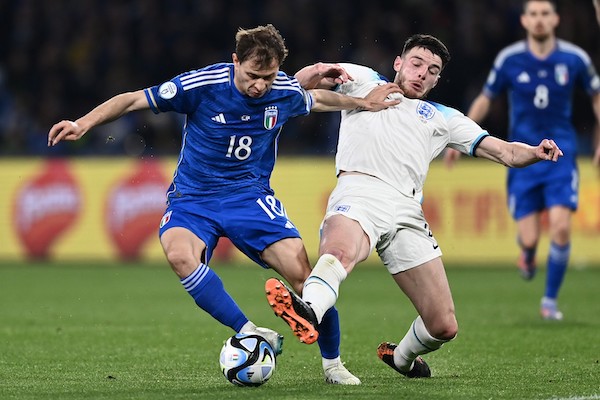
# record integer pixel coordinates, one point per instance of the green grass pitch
(118, 331)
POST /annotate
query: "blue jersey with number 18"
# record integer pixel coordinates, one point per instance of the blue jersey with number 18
(229, 139)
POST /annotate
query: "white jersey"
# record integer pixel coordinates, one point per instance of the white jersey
(396, 145)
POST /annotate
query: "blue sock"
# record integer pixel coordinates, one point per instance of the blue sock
(208, 292)
(329, 334)
(529, 255)
(557, 267)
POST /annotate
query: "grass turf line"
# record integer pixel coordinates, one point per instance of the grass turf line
(131, 332)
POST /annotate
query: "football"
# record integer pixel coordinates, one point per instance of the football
(247, 359)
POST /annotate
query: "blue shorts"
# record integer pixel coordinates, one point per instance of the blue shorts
(252, 220)
(528, 194)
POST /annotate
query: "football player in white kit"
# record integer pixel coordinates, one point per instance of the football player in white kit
(382, 162)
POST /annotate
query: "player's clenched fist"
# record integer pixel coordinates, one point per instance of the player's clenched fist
(548, 150)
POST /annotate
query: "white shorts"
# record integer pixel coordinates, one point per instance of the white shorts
(394, 222)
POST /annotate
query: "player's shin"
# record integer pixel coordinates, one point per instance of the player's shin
(329, 334)
(417, 341)
(209, 294)
(321, 288)
(558, 259)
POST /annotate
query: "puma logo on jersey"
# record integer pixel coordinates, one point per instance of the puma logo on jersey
(219, 118)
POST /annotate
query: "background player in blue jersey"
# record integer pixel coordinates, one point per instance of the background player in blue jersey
(234, 115)
(540, 75)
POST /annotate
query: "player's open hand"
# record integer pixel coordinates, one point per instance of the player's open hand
(379, 97)
(334, 74)
(64, 130)
(548, 150)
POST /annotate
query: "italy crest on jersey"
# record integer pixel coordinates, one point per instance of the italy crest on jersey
(270, 119)
(561, 74)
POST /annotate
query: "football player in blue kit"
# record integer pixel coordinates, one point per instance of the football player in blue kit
(540, 75)
(234, 116)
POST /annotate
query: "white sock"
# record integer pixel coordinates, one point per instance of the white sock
(248, 327)
(417, 341)
(328, 363)
(322, 286)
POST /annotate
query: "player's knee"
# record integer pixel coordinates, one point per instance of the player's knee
(444, 329)
(561, 235)
(343, 256)
(181, 262)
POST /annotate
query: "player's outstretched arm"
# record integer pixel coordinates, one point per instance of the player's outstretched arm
(322, 76)
(327, 100)
(517, 154)
(108, 111)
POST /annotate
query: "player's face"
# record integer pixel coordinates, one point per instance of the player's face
(417, 72)
(252, 79)
(539, 20)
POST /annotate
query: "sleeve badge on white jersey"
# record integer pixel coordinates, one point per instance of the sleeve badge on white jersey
(167, 90)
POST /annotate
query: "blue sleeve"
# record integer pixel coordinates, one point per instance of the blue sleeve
(170, 96)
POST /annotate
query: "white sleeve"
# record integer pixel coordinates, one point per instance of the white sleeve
(465, 134)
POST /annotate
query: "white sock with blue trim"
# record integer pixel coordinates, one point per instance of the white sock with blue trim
(417, 341)
(322, 287)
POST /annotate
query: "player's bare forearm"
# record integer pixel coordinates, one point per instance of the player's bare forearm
(108, 111)
(327, 100)
(517, 154)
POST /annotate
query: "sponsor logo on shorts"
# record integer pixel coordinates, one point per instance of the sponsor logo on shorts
(342, 208)
(289, 225)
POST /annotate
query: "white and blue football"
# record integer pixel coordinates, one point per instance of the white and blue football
(247, 359)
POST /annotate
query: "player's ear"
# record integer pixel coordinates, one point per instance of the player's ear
(235, 59)
(397, 63)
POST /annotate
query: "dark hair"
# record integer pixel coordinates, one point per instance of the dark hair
(263, 43)
(553, 2)
(430, 43)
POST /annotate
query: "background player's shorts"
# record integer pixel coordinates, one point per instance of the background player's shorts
(394, 223)
(252, 220)
(527, 194)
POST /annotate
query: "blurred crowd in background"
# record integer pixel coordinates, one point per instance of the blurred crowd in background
(60, 58)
